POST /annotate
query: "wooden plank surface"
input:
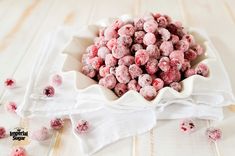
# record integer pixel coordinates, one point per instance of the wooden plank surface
(24, 24)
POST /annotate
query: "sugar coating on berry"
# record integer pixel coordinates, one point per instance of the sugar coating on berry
(190, 72)
(10, 83)
(135, 48)
(122, 74)
(153, 51)
(190, 55)
(176, 86)
(110, 60)
(109, 81)
(120, 89)
(2, 132)
(139, 23)
(158, 83)
(135, 71)
(166, 48)
(145, 80)
(18, 151)
(11, 106)
(119, 51)
(112, 43)
(187, 126)
(103, 51)
(164, 64)
(82, 126)
(141, 57)
(110, 33)
(125, 41)
(126, 30)
(56, 123)
(139, 37)
(49, 91)
(149, 39)
(104, 70)
(213, 134)
(165, 34)
(126, 60)
(182, 45)
(148, 92)
(88, 71)
(150, 26)
(202, 69)
(92, 50)
(96, 62)
(133, 85)
(152, 66)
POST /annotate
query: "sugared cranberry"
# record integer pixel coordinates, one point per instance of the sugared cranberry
(10, 83)
(150, 26)
(120, 89)
(176, 86)
(135, 71)
(166, 48)
(158, 84)
(148, 92)
(145, 80)
(82, 126)
(152, 66)
(133, 85)
(56, 123)
(49, 91)
(122, 74)
(141, 57)
(149, 39)
(202, 69)
(88, 71)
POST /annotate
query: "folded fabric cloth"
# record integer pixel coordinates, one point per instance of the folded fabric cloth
(111, 120)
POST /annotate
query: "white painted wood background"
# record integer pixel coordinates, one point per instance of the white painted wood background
(24, 23)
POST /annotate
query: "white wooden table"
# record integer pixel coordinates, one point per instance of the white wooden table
(24, 23)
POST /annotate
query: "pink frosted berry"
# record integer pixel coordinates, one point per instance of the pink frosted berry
(148, 92)
(100, 41)
(103, 51)
(139, 23)
(153, 51)
(18, 151)
(174, 39)
(96, 62)
(185, 65)
(189, 72)
(165, 34)
(164, 64)
(190, 39)
(198, 49)
(149, 39)
(126, 30)
(110, 33)
(120, 89)
(152, 66)
(176, 86)
(41, 134)
(119, 51)
(56, 123)
(49, 91)
(135, 71)
(109, 81)
(139, 36)
(124, 40)
(112, 70)
(162, 21)
(133, 85)
(126, 60)
(150, 26)
(213, 134)
(141, 57)
(187, 126)
(56, 80)
(122, 74)
(178, 55)
(145, 80)
(82, 126)
(117, 24)
(110, 60)
(104, 70)
(166, 48)
(135, 48)
(2, 132)
(10, 83)
(112, 43)
(202, 69)
(190, 55)
(11, 106)
(182, 45)
(88, 71)
(92, 50)
(170, 76)
(158, 84)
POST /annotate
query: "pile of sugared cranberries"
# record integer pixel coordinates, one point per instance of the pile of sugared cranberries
(143, 55)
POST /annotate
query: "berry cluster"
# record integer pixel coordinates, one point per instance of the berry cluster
(144, 55)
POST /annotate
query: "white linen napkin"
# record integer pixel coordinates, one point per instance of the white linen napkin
(128, 116)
